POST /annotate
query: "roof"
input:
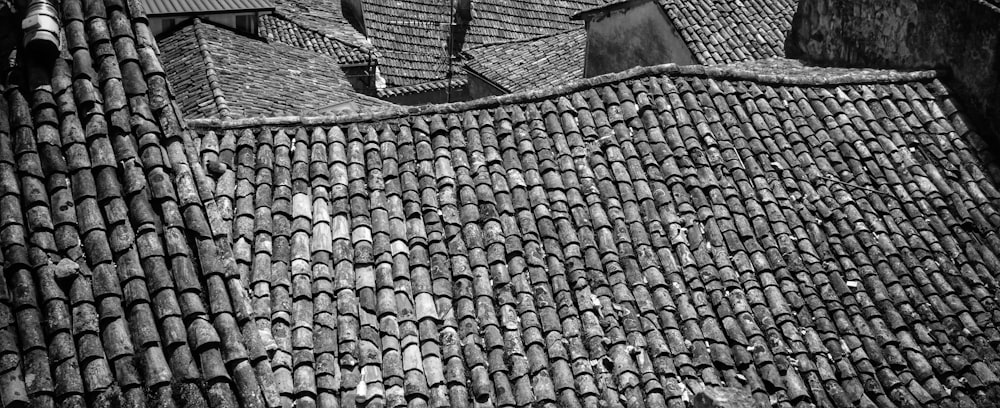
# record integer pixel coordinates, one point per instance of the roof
(724, 31)
(118, 286)
(323, 16)
(218, 72)
(276, 27)
(180, 7)
(457, 82)
(412, 35)
(811, 235)
(533, 63)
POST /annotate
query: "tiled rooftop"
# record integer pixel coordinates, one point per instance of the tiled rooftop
(117, 287)
(323, 16)
(811, 235)
(187, 7)
(278, 28)
(726, 31)
(539, 62)
(216, 72)
(814, 236)
(412, 35)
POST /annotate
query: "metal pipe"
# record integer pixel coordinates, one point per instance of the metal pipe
(41, 26)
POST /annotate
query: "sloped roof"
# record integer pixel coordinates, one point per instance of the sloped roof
(724, 31)
(218, 72)
(814, 236)
(458, 81)
(174, 7)
(117, 287)
(276, 27)
(324, 16)
(539, 62)
(413, 35)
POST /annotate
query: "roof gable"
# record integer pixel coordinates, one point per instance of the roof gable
(239, 76)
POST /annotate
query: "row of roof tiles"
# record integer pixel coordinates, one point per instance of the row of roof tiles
(813, 236)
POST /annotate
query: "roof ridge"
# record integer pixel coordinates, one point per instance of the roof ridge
(523, 40)
(218, 96)
(858, 76)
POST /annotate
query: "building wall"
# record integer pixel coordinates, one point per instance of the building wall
(160, 24)
(479, 88)
(640, 35)
(962, 36)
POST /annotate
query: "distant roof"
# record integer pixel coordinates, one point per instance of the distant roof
(169, 7)
(725, 31)
(323, 16)
(412, 35)
(217, 73)
(533, 63)
(276, 27)
(429, 86)
(816, 237)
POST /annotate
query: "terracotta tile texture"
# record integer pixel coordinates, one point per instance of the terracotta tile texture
(216, 72)
(724, 31)
(118, 286)
(815, 236)
(412, 36)
(275, 27)
(539, 62)
(161, 7)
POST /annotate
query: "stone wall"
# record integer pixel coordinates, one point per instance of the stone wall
(962, 36)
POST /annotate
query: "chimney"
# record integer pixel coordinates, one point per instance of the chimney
(961, 36)
(40, 27)
(461, 17)
(463, 11)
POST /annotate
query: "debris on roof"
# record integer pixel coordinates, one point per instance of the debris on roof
(216, 72)
(810, 235)
(533, 63)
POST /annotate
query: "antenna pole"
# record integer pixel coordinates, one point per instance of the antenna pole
(451, 45)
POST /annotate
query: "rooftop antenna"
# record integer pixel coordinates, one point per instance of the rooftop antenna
(451, 47)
